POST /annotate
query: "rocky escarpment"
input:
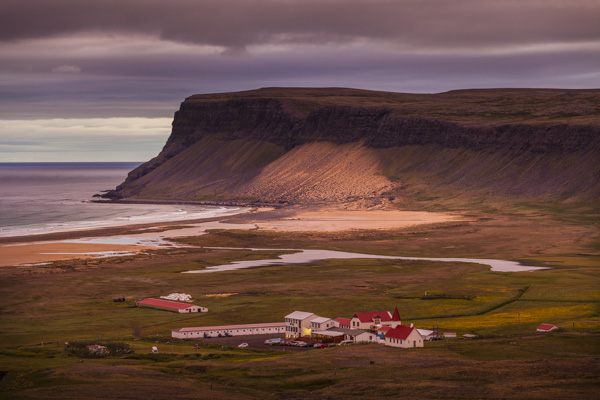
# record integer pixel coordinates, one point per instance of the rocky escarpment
(303, 145)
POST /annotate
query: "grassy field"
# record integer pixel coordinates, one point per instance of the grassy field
(41, 308)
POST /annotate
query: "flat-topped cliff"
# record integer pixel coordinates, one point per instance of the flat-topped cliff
(307, 145)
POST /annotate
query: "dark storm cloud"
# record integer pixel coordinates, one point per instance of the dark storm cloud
(237, 24)
(153, 86)
(92, 58)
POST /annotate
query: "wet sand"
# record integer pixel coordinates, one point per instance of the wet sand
(127, 240)
(36, 253)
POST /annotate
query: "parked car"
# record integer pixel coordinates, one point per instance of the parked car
(300, 343)
(274, 342)
(320, 345)
(243, 345)
(345, 342)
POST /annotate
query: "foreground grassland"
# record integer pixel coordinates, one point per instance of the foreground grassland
(45, 307)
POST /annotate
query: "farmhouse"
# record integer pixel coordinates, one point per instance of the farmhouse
(298, 324)
(375, 319)
(403, 336)
(228, 330)
(172, 306)
(546, 328)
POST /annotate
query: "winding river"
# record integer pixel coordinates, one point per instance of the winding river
(309, 256)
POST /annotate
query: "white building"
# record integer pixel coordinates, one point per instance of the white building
(356, 335)
(321, 324)
(403, 336)
(298, 324)
(232, 330)
(365, 337)
(428, 334)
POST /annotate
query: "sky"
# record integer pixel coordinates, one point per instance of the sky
(99, 80)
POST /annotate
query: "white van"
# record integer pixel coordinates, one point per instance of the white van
(345, 342)
(154, 350)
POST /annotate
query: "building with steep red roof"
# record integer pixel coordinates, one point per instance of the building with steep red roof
(396, 319)
(173, 306)
(403, 336)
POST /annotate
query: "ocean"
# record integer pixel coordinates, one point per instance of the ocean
(38, 198)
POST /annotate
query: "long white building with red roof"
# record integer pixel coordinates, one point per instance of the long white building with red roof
(168, 305)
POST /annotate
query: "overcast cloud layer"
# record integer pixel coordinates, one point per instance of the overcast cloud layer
(141, 58)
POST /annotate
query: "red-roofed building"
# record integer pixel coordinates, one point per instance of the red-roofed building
(403, 336)
(173, 306)
(384, 329)
(546, 328)
(370, 319)
(342, 322)
(396, 320)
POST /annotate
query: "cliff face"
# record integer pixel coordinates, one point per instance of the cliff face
(303, 145)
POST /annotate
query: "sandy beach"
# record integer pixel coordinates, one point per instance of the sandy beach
(335, 220)
(133, 239)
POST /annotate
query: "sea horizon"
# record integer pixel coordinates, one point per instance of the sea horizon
(49, 197)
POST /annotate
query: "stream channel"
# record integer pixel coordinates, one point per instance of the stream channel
(310, 256)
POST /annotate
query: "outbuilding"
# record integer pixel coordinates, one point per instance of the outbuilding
(356, 335)
(173, 306)
(328, 336)
(428, 334)
(546, 328)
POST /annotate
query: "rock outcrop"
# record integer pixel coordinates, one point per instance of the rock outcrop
(308, 145)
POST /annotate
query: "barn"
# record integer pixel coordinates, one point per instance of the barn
(173, 306)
